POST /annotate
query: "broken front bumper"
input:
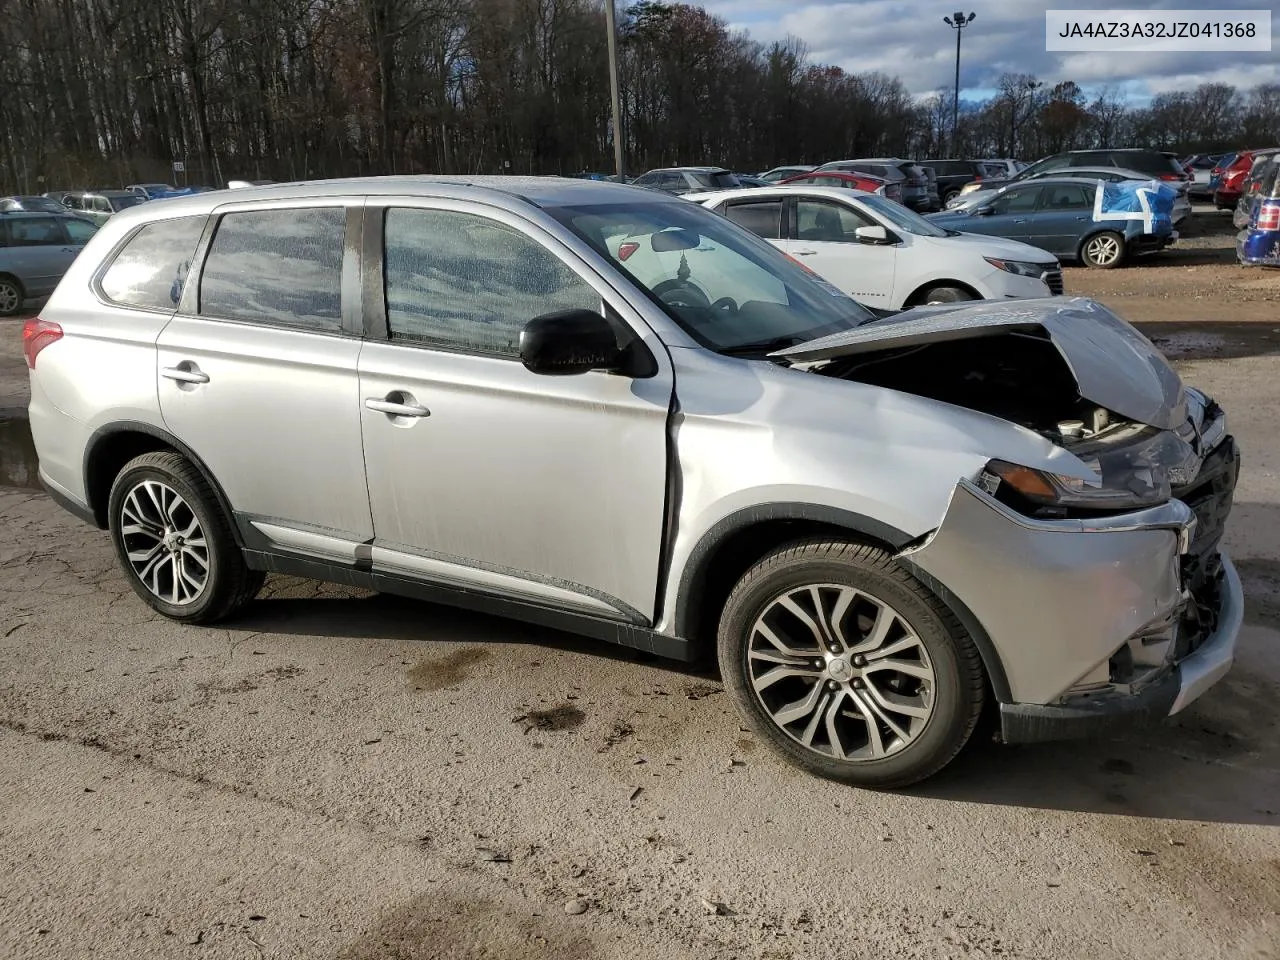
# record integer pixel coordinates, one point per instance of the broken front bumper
(1093, 622)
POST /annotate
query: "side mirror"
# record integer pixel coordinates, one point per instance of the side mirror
(569, 342)
(981, 212)
(876, 234)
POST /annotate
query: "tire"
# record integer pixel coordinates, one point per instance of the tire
(160, 509)
(1104, 250)
(948, 197)
(944, 295)
(929, 641)
(12, 296)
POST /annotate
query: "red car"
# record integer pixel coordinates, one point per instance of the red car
(1232, 183)
(849, 181)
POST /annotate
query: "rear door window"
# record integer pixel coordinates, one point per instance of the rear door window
(35, 232)
(278, 267)
(151, 267)
(761, 218)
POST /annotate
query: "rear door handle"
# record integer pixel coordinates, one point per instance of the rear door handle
(398, 408)
(1020, 220)
(185, 372)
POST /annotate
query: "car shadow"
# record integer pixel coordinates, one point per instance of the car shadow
(388, 617)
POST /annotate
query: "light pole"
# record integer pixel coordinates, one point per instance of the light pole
(957, 22)
(610, 19)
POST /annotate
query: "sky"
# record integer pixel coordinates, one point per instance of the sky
(907, 39)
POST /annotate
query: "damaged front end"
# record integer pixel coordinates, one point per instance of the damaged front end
(1104, 594)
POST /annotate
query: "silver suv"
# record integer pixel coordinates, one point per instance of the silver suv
(595, 407)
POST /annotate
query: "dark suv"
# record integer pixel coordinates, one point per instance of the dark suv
(954, 174)
(1159, 165)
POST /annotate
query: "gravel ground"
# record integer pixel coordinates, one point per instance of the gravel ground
(1197, 280)
(338, 775)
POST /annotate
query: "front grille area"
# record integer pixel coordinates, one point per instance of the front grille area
(1054, 279)
(1210, 496)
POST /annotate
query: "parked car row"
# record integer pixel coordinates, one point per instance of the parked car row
(1228, 178)
(36, 248)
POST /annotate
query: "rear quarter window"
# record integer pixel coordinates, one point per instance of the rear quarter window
(150, 268)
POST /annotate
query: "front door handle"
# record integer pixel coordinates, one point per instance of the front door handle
(397, 405)
(1020, 220)
(804, 253)
(185, 372)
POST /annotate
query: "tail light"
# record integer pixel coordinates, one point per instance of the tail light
(36, 335)
(1172, 176)
(1269, 215)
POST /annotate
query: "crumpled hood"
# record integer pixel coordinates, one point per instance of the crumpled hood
(1114, 365)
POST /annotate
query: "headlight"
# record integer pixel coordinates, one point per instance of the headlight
(1020, 267)
(1055, 490)
(1137, 466)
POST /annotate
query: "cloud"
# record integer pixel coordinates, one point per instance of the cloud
(908, 39)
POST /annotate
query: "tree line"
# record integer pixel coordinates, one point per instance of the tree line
(104, 92)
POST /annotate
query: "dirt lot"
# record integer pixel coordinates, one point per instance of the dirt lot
(337, 775)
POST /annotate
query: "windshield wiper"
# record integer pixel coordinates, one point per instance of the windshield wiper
(761, 347)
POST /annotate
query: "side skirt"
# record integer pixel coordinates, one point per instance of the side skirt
(599, 628)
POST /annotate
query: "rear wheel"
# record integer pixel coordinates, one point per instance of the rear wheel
(847, 666)
(949, 196)
(1103, 250)
(11, 296)
(175, 543)
(945, 295)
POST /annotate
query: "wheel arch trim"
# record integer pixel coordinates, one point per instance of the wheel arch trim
(106, 431)
(696, 566)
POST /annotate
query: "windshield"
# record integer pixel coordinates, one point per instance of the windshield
(119, 203)
(730, 290)
(902, 218)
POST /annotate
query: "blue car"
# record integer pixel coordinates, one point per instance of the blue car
(1258, 244)
(1099, 224)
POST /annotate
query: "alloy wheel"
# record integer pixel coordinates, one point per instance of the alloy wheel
(10, 298)
(164, 542)
(841, 672)
(1104, 250)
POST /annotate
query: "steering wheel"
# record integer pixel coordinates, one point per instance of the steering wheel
(726, 305)
(681, 293)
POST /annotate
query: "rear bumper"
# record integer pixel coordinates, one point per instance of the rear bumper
(1259, 248)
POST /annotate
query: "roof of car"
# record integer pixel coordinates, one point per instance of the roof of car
(838, 193)
(539, 191)
(17, 214)
(687, 170)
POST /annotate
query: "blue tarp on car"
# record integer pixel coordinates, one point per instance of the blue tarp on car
(1149, 201)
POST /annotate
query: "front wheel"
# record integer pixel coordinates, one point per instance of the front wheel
(847, 666)
(174, 542)
(1103, 250)
(945, 295)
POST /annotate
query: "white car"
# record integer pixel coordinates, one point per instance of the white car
(882, 254)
